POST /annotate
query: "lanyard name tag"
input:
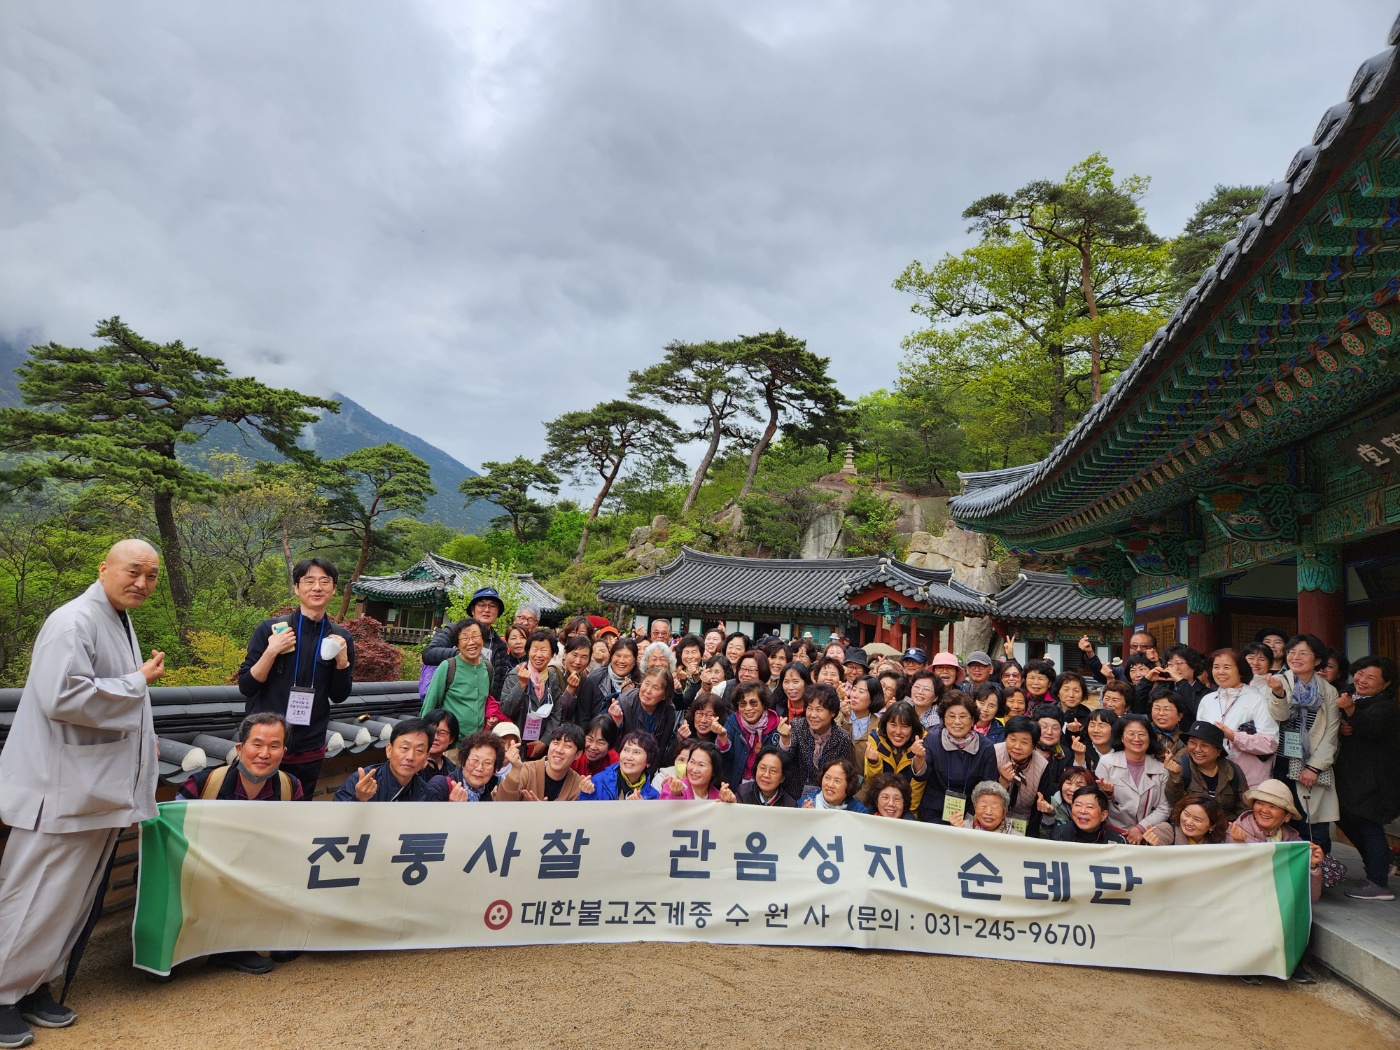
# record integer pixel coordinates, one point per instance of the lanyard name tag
(954, 805)
(1018, 827)
(532, 727)
(299, 707)
(1292, 745)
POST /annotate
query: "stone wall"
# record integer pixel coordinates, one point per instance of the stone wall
(968, 555)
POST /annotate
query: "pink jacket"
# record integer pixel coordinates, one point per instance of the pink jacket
(687, 793)
(1250, 827)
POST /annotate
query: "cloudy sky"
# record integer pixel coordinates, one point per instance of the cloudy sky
(471, 217)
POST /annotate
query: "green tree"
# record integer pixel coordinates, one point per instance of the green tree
(416, 538)
(261, 513)
(121, 411)
(1020, 340)
(870, 524)
(601, 440)
(472, 550)
(794, 389)
(501, 576)
(508, 486)
(50, 547)
(911, 433)
(366, 485)
(777, 517)
(1215, 221)
(704, 376)
(1091, 216)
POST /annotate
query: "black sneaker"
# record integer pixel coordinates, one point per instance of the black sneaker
(38, 1008)
(13, 1031)
(283, 957)
(243, 962)
(1369, 891)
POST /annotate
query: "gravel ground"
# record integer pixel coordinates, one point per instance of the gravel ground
(697, 996)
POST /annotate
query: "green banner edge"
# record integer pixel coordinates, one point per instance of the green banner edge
(159, 911)
(1291, 884)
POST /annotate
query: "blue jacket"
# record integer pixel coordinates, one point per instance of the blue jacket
(416, 790)
(605, 787)
(737, 757)
(954, 770)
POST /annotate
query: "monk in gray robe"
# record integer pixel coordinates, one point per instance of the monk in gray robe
(78, 766)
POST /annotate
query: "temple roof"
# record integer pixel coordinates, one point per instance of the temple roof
(700, 582)
(1288, 332)
(932, 587)
(1051, 597)
(430, 580)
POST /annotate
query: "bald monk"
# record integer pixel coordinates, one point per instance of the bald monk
(78, 766)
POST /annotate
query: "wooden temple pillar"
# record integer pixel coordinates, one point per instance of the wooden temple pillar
(1129, 618)
(1321, 598)
(1202, 612)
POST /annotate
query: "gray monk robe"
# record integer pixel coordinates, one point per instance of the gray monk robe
(78, 766)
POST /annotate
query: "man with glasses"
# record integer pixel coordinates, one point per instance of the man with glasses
(297, 666)
(1140, 642)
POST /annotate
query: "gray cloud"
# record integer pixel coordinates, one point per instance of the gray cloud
(472, 218)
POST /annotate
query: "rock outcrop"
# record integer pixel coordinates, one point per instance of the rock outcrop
(968, 555)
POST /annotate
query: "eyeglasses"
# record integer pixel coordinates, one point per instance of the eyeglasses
(1138, 647)
(749, 702)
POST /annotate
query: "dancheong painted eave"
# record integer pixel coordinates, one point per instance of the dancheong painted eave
(1294, 326)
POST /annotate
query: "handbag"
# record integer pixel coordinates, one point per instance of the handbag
(1333, 871)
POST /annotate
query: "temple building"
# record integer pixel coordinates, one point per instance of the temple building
(1242, 473)
(871, 599)
(413, 602)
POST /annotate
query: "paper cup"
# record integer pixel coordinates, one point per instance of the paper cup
(330, 647)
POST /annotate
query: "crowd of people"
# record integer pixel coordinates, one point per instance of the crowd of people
(1272, 743)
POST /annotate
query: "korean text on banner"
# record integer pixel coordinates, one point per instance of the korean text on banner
(228, 876)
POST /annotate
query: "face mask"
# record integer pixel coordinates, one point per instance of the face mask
(252, 777)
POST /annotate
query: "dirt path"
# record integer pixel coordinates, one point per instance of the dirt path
(697, 996)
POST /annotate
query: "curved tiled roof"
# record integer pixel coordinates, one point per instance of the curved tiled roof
(434, 576)
(1261, 333)
(1048, 596)
(934, 587)
(195, 725)
(702, 582)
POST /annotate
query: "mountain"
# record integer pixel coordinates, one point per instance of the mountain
(335, 435)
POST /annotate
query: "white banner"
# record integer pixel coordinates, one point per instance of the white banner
(225, 876)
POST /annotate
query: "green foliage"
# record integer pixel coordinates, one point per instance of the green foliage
(870, 523)
(411, 666)
(495, 574)
(217, 659)
(1013, 338)
(1215, 221)
(793, 387)
(50, 547)
(473, 550)
(363, 487)
(119, 413)
(508, 486)
(655, 487)
(704, 376)
(604, 438)
(909, 435)
(776, 521)
(413, 538)
(261, 513)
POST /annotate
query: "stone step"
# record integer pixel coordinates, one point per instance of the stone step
(1359, 940)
